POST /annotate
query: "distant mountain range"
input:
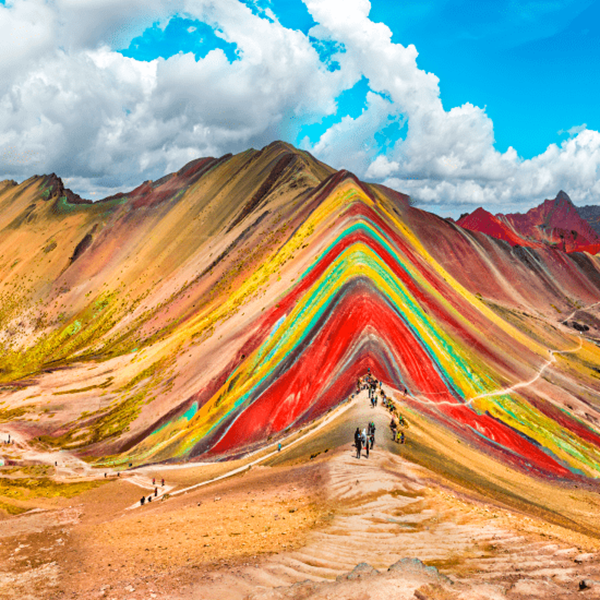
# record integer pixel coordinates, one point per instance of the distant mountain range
(592, 215)
(558, 223)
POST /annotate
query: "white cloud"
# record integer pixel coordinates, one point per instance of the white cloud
(447, 157)
(573, 130)
(70, 103)
(81, 109)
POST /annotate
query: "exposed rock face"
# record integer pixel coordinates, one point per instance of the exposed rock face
(241, 297)
(555, 222)
(592, 215)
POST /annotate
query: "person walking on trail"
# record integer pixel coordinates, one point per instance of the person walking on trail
(358, 442)
(155, 492)
(162, 483)
(365, 441)
(142, 500)
(372, 434)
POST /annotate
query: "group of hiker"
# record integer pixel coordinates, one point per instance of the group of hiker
(397, 422)
(373, 387)
(143, 498)
(365, 439)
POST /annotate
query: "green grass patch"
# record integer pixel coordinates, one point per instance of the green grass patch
(23, 488)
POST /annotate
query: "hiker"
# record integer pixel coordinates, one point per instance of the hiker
(155, 492)
(142, 500)
(365, 441)
(104, 475)
(279, 447)
(357, 442)
(162, 483)
(149, 498)
(153, 480)
(372, 434)
(405, 392)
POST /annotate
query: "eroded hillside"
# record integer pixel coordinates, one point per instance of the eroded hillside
(241, 297)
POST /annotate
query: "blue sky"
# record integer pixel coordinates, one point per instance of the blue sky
(457, 102)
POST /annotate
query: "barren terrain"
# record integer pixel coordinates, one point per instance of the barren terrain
(301, 523)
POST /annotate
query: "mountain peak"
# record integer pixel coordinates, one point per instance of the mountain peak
(563, 196)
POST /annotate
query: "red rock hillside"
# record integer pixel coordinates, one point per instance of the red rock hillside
(554, 222)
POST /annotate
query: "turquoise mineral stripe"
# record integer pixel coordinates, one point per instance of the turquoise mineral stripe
(529, 418)
(374, 232)
(305, 317)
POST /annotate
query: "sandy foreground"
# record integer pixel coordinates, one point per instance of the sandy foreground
(310, 522)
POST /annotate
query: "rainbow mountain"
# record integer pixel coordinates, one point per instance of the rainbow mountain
(227, 304)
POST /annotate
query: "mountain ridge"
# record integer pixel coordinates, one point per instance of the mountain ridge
(239, 298)
(556, 222)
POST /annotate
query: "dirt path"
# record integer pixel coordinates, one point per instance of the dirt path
(382, 511)
(422, 399)
(385, 511)
(286, 443)
(67, 465)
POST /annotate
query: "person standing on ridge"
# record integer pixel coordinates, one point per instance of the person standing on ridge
(358, 442)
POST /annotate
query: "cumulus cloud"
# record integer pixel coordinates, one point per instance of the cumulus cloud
(447, 156)
(71, 103)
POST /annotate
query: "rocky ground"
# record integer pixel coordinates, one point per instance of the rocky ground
(310, 522)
